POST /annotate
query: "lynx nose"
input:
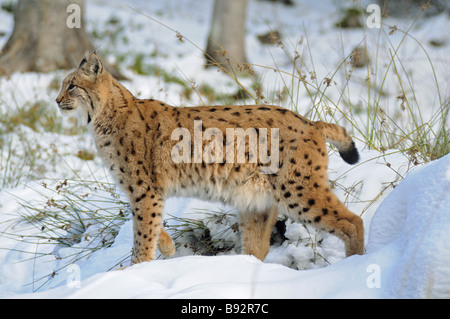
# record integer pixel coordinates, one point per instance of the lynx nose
(59, 99)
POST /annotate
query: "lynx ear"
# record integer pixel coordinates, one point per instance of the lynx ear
(86, 55)
(91, 65)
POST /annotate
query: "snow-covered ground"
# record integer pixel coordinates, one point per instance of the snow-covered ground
(47, 183)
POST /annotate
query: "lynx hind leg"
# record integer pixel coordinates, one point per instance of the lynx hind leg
(256, 229)
(165, 244)
(338, 220)
(346, 225)
(326, 212)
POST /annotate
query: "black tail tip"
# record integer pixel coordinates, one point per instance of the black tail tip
(350, 155)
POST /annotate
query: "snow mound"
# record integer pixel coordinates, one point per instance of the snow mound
(408, 256)
(415, 219)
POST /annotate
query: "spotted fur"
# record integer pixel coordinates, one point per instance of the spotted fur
(134, 139)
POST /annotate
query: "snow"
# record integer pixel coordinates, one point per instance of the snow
(416, 223)
(404, 206)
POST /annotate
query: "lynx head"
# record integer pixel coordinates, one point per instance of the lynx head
(81, 89)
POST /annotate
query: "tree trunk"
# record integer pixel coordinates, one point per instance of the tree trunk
(226, 40)
(46, 37)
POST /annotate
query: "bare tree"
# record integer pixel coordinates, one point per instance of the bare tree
(48, 35)
(226, 40)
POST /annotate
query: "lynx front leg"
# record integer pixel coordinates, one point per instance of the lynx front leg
(256, 229)
(148, 209)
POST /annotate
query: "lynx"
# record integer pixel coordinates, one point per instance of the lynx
(136, 140)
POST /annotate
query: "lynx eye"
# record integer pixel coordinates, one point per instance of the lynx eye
(71, 87)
